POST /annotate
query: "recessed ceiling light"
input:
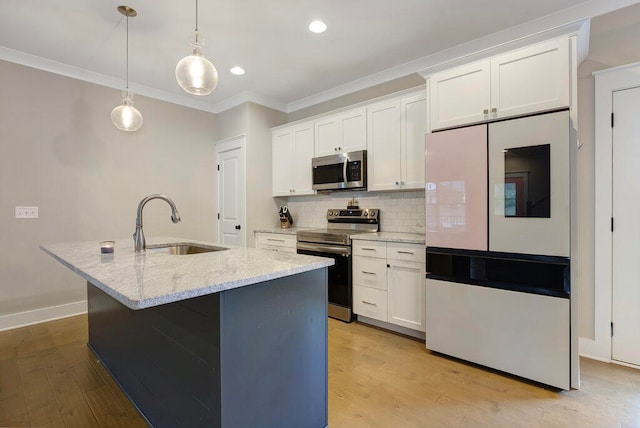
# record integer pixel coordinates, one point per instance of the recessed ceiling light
(238, 71)
(317, 26)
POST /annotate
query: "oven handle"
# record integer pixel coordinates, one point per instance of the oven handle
(321, 248)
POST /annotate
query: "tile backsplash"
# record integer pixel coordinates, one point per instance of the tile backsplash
(399, 211)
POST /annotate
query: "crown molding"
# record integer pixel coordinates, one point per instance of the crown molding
(575, 20)
(246, 97)
(66, 70)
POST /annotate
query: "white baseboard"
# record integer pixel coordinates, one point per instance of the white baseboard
(599, 350)
(396, 328)
(22, 319)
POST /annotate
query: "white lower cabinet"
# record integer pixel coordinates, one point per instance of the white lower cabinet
(405, 296)
(280, 242)
(389, 283)
(370, 302)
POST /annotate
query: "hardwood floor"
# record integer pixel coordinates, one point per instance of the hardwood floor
(49, 378)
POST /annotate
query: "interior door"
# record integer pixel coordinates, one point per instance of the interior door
(626, 232)
(231, 192)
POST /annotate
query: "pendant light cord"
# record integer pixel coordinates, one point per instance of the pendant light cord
(127, 50)
(196, 22)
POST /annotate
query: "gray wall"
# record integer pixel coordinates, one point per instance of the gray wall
(60, 152)
(614, 42)
(255, 121)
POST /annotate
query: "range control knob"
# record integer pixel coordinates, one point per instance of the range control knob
(373, 213)
(366, 213)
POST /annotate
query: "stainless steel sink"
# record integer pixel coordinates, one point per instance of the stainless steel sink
(183, 249)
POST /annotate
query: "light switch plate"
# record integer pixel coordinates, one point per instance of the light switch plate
(26, 212)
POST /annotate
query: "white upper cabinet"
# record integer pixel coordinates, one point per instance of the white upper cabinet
(531, 79)
(383, 149)
(395, 144)
(344, 132)
(528, 80)
(292, 151)
(460, 95)
(413, 117)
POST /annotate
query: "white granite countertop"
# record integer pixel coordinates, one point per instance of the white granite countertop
(290, 231)
(142, 280)
(408, 238)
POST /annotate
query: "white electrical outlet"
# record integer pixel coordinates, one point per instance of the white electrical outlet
(26, 212)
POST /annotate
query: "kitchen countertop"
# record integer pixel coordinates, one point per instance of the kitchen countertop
(407, 238)
(290, 231)
(142, 280)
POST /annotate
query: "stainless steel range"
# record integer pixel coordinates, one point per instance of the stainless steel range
(335, 242)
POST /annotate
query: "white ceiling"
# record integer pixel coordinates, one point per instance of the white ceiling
(287, 66)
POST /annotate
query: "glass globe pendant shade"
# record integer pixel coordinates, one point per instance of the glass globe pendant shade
(196, 74)
(126, 117)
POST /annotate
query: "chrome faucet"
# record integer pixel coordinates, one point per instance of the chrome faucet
(138, 237)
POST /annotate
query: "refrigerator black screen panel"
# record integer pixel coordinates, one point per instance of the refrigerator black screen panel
(527, 181)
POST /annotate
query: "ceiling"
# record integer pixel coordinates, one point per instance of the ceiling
(287, 67)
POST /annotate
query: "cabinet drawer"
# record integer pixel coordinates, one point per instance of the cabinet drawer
(370, 302)
(369, 271)
(276, 248)
(406, 252)
(276, 239)
(370, 249)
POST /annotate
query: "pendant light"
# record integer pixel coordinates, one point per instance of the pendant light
(194, 73)
(126, 117)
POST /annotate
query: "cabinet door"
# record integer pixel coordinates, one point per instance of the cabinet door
(303, 153)
(406, 294)
(327, 139)
(532, 79)
(282, 159)
(353, 130)
(413, 113)
(383, 149)
(461, 95)
(456, 189)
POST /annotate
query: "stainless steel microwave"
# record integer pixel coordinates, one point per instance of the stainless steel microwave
(342, 171)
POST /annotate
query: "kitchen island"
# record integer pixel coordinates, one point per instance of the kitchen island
(230, 338)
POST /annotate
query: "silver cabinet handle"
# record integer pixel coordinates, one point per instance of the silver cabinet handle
(369, 303)
(368, 249)
(368, 273)
(275, 240)
(494, 110)
(406, 252)
(485, 111)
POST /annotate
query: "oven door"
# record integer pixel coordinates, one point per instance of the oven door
(339, 277)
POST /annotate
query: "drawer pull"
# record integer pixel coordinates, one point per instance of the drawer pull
(368, 249)
(406, 252)
(275, 240)
(369, 303)
(368, 273)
